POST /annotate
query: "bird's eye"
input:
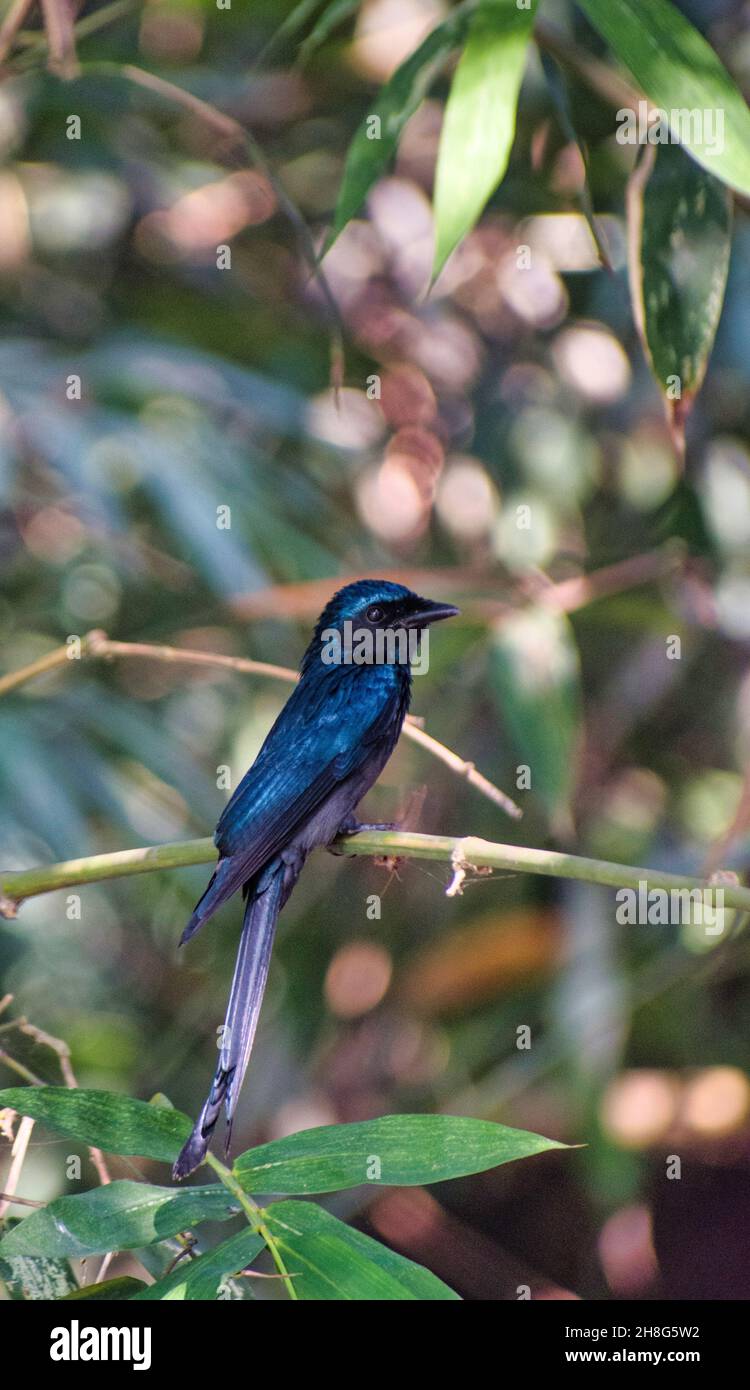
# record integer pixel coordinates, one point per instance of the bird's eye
(375, 614)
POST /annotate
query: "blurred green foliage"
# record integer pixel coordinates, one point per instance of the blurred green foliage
(203, 389)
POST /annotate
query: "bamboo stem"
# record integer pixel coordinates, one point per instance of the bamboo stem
(255, 1216)
(462, 853)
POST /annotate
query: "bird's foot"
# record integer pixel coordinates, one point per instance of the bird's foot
(352, 826)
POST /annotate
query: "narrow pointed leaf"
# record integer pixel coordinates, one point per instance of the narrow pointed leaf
(396, 1149)
(682, 75)
(536, 680)
(110, 1291)
(375, 142)
(120, 1216)
(110, 1121)
(334, 14)
(680, 229)
(480, 119)
(559, 94)
(331, 1261)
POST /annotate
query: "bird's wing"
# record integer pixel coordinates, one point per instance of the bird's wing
(308, 752)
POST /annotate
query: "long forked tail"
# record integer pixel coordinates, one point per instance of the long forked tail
(264, 903)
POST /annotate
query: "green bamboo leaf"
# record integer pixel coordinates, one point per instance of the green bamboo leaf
(681, 74)
(375, 142)
(110, 1291)
(331, 1261)
(334, 14)
(395, 1149)
(39, 1279)
(204, 1277)
(480, 119)
(559, 94)
(120, 1216)
(680, 230)
(110, 1121)
(536, 681)
(290, 25)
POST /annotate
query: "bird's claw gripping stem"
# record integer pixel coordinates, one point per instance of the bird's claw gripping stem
(358, 827)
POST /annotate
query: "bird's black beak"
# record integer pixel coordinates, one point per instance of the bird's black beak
(423, 611)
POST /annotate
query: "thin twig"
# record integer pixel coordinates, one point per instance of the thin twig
(185, 1253)
(100, 645)
(36, 44)
(11, 24)
(56, 1045)
(24, 1072)
(570, 595)
(104, 1266)
(59, 24)
(50, 662)
(18, 1156)
(463, 769)
(62, 1052)
(304, 600)
(97, 644)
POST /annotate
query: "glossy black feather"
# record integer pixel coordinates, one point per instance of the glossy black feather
(325, 750)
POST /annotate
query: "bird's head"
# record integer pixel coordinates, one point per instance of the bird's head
(376, 621)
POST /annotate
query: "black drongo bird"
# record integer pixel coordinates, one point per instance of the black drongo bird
(334, 735)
